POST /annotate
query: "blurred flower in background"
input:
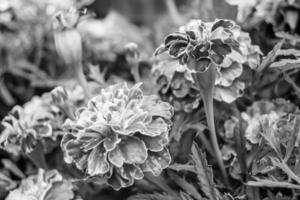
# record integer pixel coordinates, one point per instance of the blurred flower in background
(36, 121)
(46, 185)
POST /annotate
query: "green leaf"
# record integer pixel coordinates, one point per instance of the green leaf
(154, 196)
(182, 167)
(272, 184)
(288, 59)
(284, 167)
(6, 182)
(189, 188)
(270, 57)
(268, 135)
(204, 173)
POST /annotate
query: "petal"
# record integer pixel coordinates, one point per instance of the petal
(229, 94)
(72, 150)
(117, 181)
(116, 157)
(154, 143)
(60, 190)
(97, 162)
(227, 75)
(131, 172)
(222, 23)
(133, 150)
(156, 127)
(200, 51)
(177, 48)
(180, 85)
(177, 36)
(220, 48)
(111, 141)
(157, 161)
(44, 130)
(155, 107)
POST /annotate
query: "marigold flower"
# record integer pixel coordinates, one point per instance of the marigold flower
(119, 135)
(46, 185)
(24, 126)
(202, 40)
(228, 56)
(274, 113)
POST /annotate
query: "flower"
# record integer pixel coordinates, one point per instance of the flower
(274, 113)
(202, 40)
(178, 87)
(46, 185)
(119, 135)
(230, 57)
(280, 13)
(36, 121)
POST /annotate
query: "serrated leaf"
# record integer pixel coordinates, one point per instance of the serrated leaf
(272, 184)
(269, 137)
(204, 173)
(290, 59)
(182, 167)
(185, 196)
(270, 57)
(288, 79)
(286, 64)
(285, 168)
(154, 196)
(186, 186)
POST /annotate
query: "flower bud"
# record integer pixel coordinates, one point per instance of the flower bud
(68, 46)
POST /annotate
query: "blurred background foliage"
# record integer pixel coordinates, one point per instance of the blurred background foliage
(29, 64)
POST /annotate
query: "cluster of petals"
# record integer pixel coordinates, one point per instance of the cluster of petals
(202, 40)
(119, 135)
(25, 126)
(175, 79)
(46, 185)
(279, 116)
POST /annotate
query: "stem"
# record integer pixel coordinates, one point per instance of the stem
(207, 97)
(135, 71)
(205, 81)
(82, 81)
(173, 11)
(205, 142)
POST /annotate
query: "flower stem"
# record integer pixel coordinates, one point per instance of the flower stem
(173, 11)
(205, 81)
(82, 80)
(209, 111)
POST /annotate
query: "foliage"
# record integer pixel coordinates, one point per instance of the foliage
(88, 113)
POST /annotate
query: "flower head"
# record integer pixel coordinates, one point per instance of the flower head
(202, 40)
(275, 114)
(24, 126)
(178, 87)
(119, 135)
(46, 185)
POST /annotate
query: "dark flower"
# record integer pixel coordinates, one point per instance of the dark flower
(202, 40)
(119, 135)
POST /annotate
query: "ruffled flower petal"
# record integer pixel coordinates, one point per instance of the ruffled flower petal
(97, 162)
(229, 94)
(157, 161)
(112, 136)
